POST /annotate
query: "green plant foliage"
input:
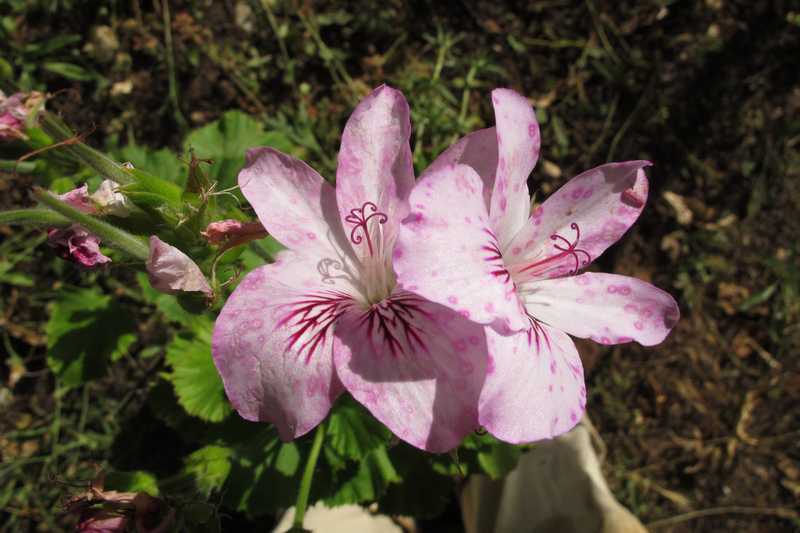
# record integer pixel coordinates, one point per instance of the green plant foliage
(209, 468)
(373, 474)
(225, 142)
(162, 163)
(265, 473)
(86, 330)
(135, 481)
(353, 432)
(197, 383)
(422, 492)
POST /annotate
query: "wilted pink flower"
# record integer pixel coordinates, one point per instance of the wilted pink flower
(74, 243)
(109, 201)
(102, 521)
(79, 199)
(327, 314)
(17, 112)
(233, 231)
(471, 243)
(172, 271)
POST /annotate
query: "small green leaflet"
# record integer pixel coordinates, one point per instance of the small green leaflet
(86, 330)
(194, 376)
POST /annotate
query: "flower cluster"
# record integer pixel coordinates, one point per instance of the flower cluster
(442, 305)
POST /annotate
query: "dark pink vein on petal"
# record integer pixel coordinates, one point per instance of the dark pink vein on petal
(392, 322)
(495, 257)
(313, 317)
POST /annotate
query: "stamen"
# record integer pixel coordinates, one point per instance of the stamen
(571, 250)
(314, 315)
(359, 217)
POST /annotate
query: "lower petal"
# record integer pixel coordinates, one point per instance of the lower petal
(273, 345)
(417, 366)
(607, 308)
(534, 385)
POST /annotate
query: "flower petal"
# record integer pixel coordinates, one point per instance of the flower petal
(606, 308)
(587, 215)
(518, 146)
(273, 344)
(477, 150)
(451, 256)
(375, 175)
(534, 385)
(417, 366)
(172, 271)
(292, 201)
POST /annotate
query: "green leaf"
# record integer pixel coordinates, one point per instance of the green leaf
(353, 432)
(194, 376)
(135, 481)
(423, 493)
(209, 468)
(162, 163)
(265, 474)
(69, 71)
(225, 142)
(166, 303)
(498, 460)
(86, 329)
(373, 474)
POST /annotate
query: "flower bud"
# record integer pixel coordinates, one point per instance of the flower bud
(172, 271)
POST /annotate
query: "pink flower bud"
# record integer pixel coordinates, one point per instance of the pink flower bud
(76, 244)
(227, 231)
(172, 271)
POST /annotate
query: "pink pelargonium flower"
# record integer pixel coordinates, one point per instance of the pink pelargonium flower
(74, 243)
(327, 314)
(471, 243)
(17, 112)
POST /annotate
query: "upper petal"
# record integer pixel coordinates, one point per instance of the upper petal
(375, 174)
(518, 147)
(292, 201)
(417, 366)
(273, 343)
(607, 308)
(580, 220)
(534, 385)
(448, 252)
(477, 150)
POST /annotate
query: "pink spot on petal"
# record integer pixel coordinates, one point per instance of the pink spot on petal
(638, 325)
(532, 130)
(452, 299)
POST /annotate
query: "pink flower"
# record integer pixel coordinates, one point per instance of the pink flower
(327, 315)
(74, 243)
(172, 271)
(79, 199)
(110, 201)
(17, 112)
(471, 243)
(233, 231)
(102, 521)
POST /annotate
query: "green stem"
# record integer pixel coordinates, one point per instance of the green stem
(33, 217)
(114, 236)
(102, 164)
(22, 167)
(308, 476)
